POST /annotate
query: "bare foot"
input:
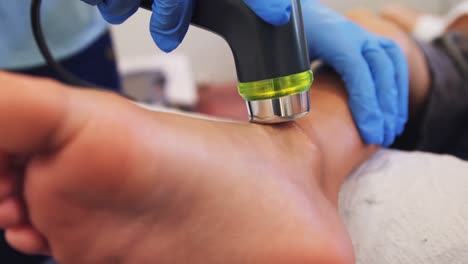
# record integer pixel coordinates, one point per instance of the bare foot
(106, 182)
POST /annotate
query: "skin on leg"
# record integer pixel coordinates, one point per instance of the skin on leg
(406, 18)
(135, 186)
(460, 24)
(402, 16)
(11, 212)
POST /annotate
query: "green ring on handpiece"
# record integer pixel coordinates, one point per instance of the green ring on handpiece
(277, 87)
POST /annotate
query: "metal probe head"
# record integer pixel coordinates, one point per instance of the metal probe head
(278, 100)
(279, 110)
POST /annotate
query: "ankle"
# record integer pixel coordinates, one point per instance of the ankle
(298, 155)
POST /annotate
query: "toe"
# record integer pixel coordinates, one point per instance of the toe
(27, 240)
(11, 213)
(7, 185)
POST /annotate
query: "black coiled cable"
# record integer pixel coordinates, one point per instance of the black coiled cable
(36, 25)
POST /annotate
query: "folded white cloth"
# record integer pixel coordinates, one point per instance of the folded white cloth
(408, 208)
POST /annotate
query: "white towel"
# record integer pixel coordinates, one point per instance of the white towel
(408, 208)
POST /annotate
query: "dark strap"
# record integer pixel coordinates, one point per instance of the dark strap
(456, 46)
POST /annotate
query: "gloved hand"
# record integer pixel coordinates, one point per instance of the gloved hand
(373, 68)
(171, 18)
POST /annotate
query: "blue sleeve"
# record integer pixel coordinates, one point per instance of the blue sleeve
(69, 27)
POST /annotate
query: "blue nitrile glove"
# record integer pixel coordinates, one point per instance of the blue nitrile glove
(373, 68)
(171, 18)
(115, 11)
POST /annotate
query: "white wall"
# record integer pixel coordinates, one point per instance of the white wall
(428, 5)
(209, 54)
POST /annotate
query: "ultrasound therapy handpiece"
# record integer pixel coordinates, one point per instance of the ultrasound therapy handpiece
(272, 62)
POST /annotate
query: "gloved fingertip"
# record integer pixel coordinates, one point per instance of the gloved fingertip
(370, 125)
(277, 13)
(402, 125)
(113, 18)
(371, 135)
(165, 43)
(372, 139)
(386, 43)
(170, 23)
(387, 144)
(392, 125)
(92, 2)
(279, 20)
(389, 139)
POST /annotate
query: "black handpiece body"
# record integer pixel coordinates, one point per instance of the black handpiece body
(261, 51)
